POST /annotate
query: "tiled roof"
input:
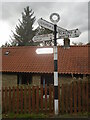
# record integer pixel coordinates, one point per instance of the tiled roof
(24, 59)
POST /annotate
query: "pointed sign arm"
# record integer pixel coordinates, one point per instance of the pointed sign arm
(49, 25)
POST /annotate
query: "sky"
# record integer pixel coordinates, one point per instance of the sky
(72, 15)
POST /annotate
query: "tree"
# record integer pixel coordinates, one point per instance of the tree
(88, 43)
(6, 45)
(75, 43)
(24, 30)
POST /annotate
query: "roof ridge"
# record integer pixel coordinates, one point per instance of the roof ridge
(18, 47)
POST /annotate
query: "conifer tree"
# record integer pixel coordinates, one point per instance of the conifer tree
(24, 30)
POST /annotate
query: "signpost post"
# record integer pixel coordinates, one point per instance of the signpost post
(63, 34)
(55, 62)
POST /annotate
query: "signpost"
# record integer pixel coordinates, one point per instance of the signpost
(69, 34)
(49, 25)
(55, 61)
(62, 33)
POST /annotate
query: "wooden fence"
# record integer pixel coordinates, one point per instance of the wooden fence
(72, 98)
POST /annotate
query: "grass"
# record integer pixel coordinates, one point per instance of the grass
(43, 115)
(78, 115)
(32, 115)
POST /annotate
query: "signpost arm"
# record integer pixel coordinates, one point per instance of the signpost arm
(55, 72)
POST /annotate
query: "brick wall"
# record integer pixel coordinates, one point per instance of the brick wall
(68, 80)
(0, 80)
(64, 80)
(9, 80)
(36, 80)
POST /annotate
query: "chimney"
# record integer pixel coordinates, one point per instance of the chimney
(66, 43)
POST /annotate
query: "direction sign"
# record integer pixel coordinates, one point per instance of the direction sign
(69, 34)
(49, 25)
(45, 37)
(63, 33)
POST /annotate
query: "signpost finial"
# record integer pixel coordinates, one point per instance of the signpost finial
(54, 17)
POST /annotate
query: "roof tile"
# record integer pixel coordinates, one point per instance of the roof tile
(25, 59)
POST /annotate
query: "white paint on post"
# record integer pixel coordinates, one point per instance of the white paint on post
(55, 52)
(56, 106)
(55, 49)
(55, 56)
(55, 78)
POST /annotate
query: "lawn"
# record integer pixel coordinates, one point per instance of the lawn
(12, 115)
(41, 115)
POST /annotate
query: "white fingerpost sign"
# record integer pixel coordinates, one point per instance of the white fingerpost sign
(70, 34)
(49, 25)
(45, 37)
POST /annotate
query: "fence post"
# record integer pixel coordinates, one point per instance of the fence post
(9, 99)
(37, 99)
(17, 99)
(79, 96)
(66, 97)
(45, 97)
(50, 100)
(87, 95)
(75, 98)
(25, 102)
(70, 89)
(2, 99)
(13, 99)
(6, 101)
(83, 95)
(62, 101)
(33, 98)
(29, 94)
(41, 98)
(21, 92)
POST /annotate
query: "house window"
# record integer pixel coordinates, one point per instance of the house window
(6, 53)
(47, 79)
(24, 78)
(43, 82)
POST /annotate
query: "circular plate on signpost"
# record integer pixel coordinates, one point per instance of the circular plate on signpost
(54, 17)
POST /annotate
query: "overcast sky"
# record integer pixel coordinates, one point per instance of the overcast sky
(72, 15)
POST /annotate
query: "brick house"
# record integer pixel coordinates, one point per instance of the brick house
(22, 65)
